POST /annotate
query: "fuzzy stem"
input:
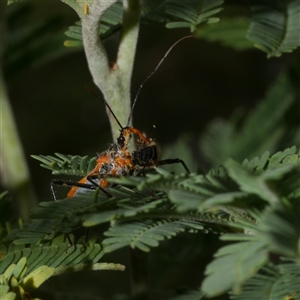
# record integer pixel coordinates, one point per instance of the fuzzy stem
(95, 52)
(127, 49)
(113, 82)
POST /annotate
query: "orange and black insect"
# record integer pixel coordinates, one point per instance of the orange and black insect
(117, 160)
(114, 162)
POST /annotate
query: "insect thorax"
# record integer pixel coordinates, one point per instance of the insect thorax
(146, 156)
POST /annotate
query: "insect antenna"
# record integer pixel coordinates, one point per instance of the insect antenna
(107, 105)
(150, 75)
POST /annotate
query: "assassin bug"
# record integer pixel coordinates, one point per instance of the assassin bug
(117, 160)
(114, 162)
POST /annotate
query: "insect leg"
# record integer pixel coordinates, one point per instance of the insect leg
(95, 185)
(69, 184)
(170, 161)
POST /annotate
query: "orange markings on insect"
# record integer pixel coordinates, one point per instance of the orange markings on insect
(114, 162)
(74, 188)
(140, 135)
(118, 161)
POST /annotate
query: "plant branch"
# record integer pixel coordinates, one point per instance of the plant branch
(174, 216)
(95, 52)
(113, 82)
(127, 47)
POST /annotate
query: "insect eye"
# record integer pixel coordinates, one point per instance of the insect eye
(121, 140)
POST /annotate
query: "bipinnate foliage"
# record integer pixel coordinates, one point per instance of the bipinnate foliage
(253, 205)
(277, 20)
(176, 14)
(265, 128)
(67, 164)
(15, 285)
(272, 27)
(275, 26)
(273, 282)
(24, 269)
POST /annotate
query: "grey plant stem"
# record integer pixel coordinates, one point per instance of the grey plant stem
(114, 82)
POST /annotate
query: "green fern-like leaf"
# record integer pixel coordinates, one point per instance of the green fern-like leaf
(246, 186)
(122, 213)
(55, 217)
(249, 185)
(57, 254)
(266, 162)
(272, 282)
(31, 266)
(229, 32)
(277, 226)
(234, 264)
(191, 13)
(146, 234)
(280, 229)
(15, 285)
(262, 185)
(275, 26)
(261, 131)
(153, 11)
(88, 208)
(143, 218)
(275, 230)
(67, 164)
